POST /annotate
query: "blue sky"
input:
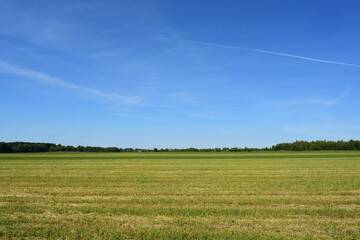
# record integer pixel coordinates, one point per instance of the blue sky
(179, 73)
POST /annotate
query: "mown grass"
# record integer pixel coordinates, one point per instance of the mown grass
(265, 195)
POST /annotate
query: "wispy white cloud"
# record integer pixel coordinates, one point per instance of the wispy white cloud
(6, 68)
(183, 97)
(328, 131)
(313, 101)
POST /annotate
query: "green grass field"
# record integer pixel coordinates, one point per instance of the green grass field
(265, 195)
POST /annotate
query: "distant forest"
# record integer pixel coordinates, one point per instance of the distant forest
(24, 147)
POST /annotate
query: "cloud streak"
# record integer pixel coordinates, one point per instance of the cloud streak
(6, 68)
(313, 101)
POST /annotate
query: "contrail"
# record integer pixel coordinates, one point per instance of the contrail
(270, 52)
(306, 58)
(212, 45)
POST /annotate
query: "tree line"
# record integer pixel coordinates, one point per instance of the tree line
(318, 145)
(24, 147)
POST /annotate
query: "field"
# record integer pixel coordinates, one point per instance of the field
(265, 195)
